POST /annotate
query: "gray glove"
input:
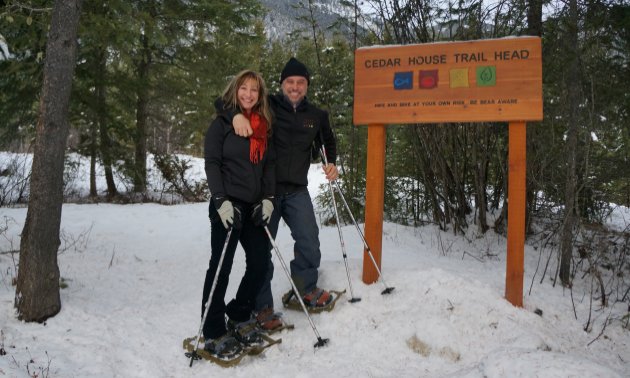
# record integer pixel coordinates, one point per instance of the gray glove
(226, 213)
(267, 210)
(262, 212)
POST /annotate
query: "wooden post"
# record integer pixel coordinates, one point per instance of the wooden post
(374, 200)
(516, 213)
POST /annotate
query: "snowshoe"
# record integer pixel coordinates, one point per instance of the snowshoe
(224, 351)
(316, 301)
(271, 322)
(202, 353)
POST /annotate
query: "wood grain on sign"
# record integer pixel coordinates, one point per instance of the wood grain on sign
(473, 81)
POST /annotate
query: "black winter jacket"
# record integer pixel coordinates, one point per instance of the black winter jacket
(230, 172)
(296, 132)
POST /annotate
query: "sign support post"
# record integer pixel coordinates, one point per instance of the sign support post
(517, 147)
(374, 200)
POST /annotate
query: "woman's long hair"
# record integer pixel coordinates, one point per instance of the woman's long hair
(230, 95)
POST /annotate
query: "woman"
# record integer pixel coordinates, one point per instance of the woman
(241, 178)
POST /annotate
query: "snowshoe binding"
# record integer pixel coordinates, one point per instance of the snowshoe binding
(225, 347)
(316, 301)
(271, 322)
(246, 332)
(251, 336)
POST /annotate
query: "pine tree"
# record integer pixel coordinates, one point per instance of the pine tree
(24, 35)
(37, 291)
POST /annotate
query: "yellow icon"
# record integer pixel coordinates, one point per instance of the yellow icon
(459, 78)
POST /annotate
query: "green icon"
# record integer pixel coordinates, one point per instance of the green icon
(486, 76)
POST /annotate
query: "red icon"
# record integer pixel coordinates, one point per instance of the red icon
(428, 79)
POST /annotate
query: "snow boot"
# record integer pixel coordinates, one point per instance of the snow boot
(271, 322)
(317, 298)
(316, 301)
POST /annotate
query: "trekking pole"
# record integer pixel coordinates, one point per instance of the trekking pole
(353, 299)
(194, 354)
(320, 341)
(322, 152)
(367, 247)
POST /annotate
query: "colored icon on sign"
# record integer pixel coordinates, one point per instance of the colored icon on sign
(486, 76)
(403, 80)
(458, 78)
(428, 79)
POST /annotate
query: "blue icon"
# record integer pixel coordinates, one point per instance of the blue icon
(403, 80)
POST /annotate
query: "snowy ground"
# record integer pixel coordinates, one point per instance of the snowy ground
(135, 274)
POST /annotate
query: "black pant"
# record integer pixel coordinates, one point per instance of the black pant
(257, 257)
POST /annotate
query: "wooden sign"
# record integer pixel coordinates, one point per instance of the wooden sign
(472, 81)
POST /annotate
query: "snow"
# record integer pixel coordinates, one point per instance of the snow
(135, 276)
(4, 49)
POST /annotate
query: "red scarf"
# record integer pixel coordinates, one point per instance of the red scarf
(258, 140)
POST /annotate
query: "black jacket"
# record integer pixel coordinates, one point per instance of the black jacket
(296, 132)
(297, 135)
(230, 172)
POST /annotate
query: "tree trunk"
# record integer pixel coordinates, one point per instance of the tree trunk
(429, 177)
(534, 18)
(535, 28)
(37, 292)
(101, 106)
(93, 157)
(500, 191)
(480, 145)
(572, 80)
(142, 103)
(93, 152)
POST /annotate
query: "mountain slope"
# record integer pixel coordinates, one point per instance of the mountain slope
(285, 17)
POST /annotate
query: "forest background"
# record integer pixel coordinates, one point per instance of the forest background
(147, 73)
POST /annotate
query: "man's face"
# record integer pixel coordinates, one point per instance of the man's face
(295, 87)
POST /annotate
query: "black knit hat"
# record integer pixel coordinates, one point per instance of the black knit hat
(295, 68)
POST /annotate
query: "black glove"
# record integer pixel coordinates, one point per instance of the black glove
(261, 215)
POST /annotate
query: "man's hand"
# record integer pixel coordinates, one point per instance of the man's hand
(331, 172)
(241, 126)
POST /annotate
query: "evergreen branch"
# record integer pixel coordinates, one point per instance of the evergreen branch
(20, 7)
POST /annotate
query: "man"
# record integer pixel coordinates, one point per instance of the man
(298, 128)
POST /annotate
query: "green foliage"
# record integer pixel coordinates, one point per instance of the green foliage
(603, 173)
(189, 51)
(24, 33)
(174, 170)
(193, 48)
(607, 46)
